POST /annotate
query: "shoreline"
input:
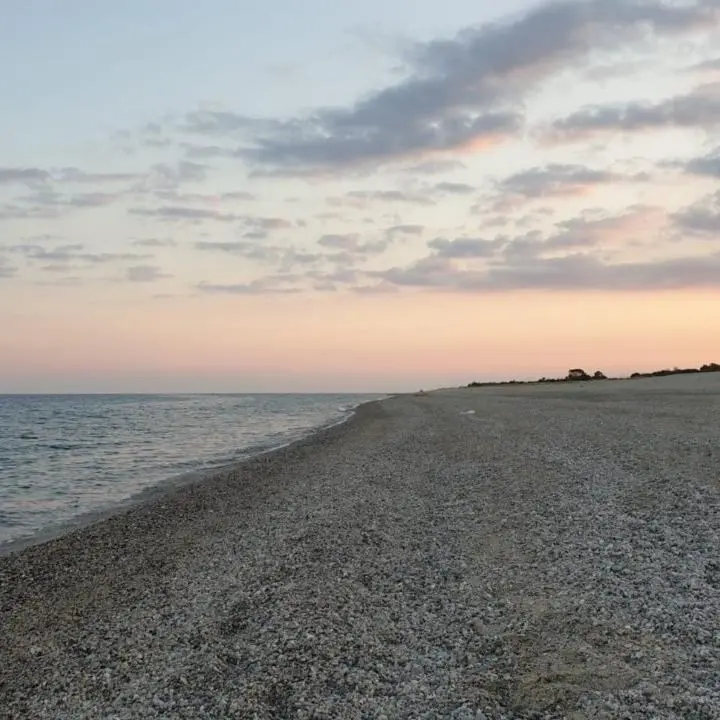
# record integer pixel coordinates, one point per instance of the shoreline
(156, 491)
(517, 552)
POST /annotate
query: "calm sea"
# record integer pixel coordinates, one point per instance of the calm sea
(62, 456)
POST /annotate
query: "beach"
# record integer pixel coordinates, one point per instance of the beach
(540, 551)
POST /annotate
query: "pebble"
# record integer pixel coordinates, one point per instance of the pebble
(551, 554)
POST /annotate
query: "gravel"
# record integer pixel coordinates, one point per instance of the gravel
(530, 552)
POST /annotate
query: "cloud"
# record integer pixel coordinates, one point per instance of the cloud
(636, 226)
(293, 258)
(454, 188)
(42, 238)
(152, 136)
(324, 286)
(256, 234)
(347, 140)
(259, 228)
(175, 196)
(59, 254)
(228, 247)
(12, 211)
(87, 200)
(285, 258)
(349, 241)
(163, 180)
(268, 223)
(380, 288)
(99, 258)
(163, 174)
(352, 247)
(71, 253)
(75, 175)
(464, 247)
(44, 202)
(347, 251)
(203, 152)
(530, 245)
(144, 273)
(554, 181)
(338, 275)
(613, 69)
(361, 198)
(325, 280)
(24, 176)
(221, 122)
(698, 109)
(702, 218)
(256, 287)
(461, 94)
(182, 213)
(405, 230)
(709, 165)
(67, 281)
(706, 65)
(154, 242)
(44, 196)
(248, 250)
(571, 257)
(432, 271)
(637, 223)
(576, 272)
(171, 176)
(435, 167)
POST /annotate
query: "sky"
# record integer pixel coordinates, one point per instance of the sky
(382, 196)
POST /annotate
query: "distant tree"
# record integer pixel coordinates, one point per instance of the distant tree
(577, 374)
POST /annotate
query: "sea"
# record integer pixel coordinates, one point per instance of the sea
(67, 457)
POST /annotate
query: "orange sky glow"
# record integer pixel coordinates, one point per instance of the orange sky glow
(490, 197)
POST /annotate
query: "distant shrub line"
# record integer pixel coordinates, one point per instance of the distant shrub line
(710, 367)
(579, 375)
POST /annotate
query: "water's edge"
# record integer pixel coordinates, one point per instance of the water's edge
(167, 485)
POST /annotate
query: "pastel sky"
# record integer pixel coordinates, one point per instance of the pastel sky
(380, 196)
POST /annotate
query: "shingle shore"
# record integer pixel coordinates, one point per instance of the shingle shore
(553, 554)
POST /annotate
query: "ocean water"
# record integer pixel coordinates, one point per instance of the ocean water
(63, 456)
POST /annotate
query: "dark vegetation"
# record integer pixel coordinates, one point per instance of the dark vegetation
(710, 367)
(579, 375)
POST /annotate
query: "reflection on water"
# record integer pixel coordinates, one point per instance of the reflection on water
(64, 455)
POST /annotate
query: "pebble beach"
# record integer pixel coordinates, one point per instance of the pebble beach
(502, 552)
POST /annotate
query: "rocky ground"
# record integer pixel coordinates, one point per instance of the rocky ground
(531, 552)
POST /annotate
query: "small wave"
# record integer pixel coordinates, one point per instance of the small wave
(348, 407)
(111, 456)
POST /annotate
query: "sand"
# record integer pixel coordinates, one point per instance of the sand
(522, 552)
